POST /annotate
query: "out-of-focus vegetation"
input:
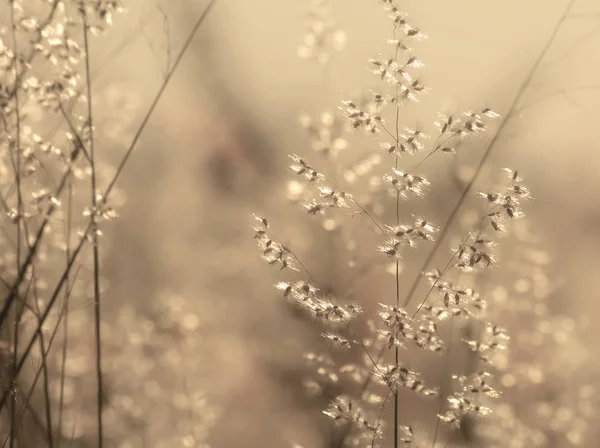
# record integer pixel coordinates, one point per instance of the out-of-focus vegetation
(138, 138)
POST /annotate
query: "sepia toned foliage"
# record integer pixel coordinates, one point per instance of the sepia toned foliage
(410, 298)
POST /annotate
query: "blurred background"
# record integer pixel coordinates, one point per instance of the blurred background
(198, 345)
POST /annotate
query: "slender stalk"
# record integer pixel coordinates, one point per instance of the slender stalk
(443, 381)
(94, 235)
(397, 270)
(66, 311)
(17, 169)
(379, 419)
(44, 349)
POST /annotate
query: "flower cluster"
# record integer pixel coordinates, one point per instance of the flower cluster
(470, 399)
(273, 252)
(397, 323)
(358, 117)
(398, 376)
(318, 305)
(427, 336)
(410, 141)
(506, 204)
(302, 168)
(406, 184)
(329, 196)
(345, 410)
(407, 234)
(400, 327)
(493, 339)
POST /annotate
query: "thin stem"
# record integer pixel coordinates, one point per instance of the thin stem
(17, 169)
(355, 202)
(74, 131)
(388, 132)
(375, 364)
(436, 147)
(44, 349)
(367, 382)
(66, 309)
(397, 273)
(94, 236)
(369, 215)
(379, 419)
(443, 381)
